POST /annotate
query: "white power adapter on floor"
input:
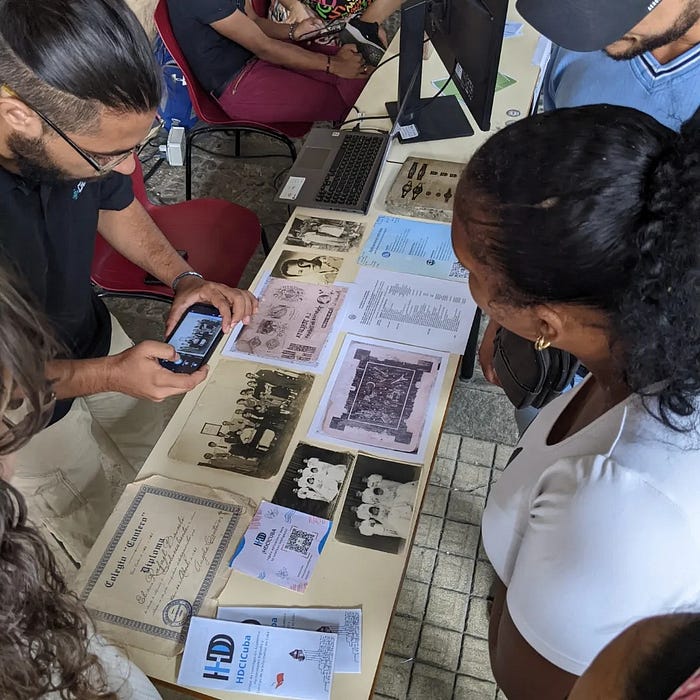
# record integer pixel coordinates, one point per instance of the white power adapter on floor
(175, 148)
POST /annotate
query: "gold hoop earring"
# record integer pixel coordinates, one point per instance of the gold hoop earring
(541, 343)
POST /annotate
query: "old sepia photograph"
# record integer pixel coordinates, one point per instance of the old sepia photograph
(302, 267)
(379, 395)
(378, 509)
(244, 419)
(327, 234)
(313, 480)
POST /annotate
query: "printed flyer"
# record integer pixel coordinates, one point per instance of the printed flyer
(249, 658)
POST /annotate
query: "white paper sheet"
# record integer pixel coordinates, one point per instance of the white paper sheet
(411, 309)
(345, 622)
(380, 396)
(249, 658)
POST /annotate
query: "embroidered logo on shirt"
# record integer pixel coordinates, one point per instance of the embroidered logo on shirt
(78, 189)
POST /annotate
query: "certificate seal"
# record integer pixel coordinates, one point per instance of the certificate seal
(177, 612)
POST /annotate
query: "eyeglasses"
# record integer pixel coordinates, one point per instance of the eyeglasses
(100, 163)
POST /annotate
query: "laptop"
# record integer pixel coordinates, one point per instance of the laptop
(336, 169)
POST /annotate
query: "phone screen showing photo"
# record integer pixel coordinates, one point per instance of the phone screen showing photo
(193, 339)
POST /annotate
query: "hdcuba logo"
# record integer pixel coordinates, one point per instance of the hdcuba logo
(219, 658)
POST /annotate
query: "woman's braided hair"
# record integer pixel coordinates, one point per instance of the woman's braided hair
(600, 206)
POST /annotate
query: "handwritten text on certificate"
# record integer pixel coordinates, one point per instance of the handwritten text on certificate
(159, 561)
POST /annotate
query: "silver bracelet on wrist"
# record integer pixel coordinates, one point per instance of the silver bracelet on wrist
(186, 273)
(292, 27)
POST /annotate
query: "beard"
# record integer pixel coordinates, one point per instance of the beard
(33, 161)
(689, 16)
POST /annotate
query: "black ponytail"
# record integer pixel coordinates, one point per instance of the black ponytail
(600, 206)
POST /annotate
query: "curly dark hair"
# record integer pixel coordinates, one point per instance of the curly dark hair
(600, 206)
(44, 628)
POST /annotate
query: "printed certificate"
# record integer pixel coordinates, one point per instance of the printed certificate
(161, 558)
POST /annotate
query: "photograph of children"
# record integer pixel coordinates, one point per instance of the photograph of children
(313, 480)
(378, 509)
(327, 234)
(319, 269)
(244, 419)
(380, 395)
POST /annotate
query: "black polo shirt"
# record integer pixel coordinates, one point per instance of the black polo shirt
(47, 234)
(213, 58)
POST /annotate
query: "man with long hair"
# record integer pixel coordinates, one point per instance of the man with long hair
(79, 89)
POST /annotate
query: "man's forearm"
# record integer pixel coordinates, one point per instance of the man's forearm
(71, 378)
(134, 234)
(294, 57)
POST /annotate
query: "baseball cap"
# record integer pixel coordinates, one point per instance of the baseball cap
(584, 25)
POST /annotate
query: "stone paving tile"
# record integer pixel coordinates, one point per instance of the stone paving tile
(468, 688)
(453, 572)
(443, 471)
(413, 598)
(446, 609)
(428, 531)
(471, 478)
(449, 445)
(475, 658)
(394, 677)
(484, 577)
(439, 647)
(430, 683)
(465, 507)
(460, 538)
(421, 564)
(476, 452)
(435, 501)
(402, 638)
(503, 453)
(478, 621)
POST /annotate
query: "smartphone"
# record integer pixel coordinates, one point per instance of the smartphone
(195, 338)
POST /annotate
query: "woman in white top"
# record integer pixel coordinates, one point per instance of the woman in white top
(48, 646)
(595, 523)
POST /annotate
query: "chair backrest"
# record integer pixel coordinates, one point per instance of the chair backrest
(206, 107)
(140, 186)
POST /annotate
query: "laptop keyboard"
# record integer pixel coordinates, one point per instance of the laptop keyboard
(351, 169)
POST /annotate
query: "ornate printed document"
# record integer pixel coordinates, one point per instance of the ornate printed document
(161, 558)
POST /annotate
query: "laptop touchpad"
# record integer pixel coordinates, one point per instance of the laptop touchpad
(313, 158)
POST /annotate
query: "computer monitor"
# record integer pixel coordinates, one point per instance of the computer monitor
(467, 35)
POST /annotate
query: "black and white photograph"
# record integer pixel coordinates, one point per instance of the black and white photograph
(313, 480)
(378, 509)
(302, 267)
(244, 419)
(327, 234)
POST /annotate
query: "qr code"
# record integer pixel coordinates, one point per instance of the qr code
(458, 271)
(299, 541)
(296, 351)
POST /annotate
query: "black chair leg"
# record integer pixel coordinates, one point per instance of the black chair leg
(188, 165)
(469, 358)
(265, 241)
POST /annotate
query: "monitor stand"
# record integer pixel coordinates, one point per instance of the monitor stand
(433, 119)
(426, 119)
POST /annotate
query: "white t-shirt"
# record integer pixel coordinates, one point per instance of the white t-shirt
(597, 531)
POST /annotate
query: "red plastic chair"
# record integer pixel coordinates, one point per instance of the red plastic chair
(209, 110)
(219, 238)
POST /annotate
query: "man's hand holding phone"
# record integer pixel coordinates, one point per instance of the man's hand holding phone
(138, 372)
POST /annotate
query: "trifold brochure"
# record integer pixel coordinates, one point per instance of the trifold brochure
(249, 658)
(345, 622)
